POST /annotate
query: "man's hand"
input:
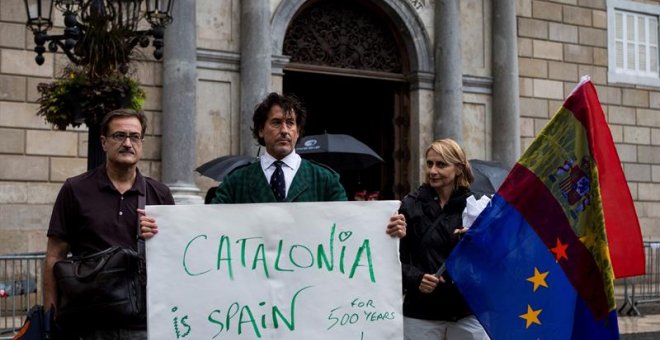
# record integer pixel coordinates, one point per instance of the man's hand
(56, 250)
(148, 226)
(397, 226)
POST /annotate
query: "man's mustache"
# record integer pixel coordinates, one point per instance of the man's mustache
(126, 150)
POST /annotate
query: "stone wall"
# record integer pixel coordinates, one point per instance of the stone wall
(35, 159)
(558, 42)
(476, 52)
(218, 115)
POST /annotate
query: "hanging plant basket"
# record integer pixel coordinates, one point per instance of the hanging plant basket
(74, 98)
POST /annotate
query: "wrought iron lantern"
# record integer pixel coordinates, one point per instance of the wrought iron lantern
(113, 22)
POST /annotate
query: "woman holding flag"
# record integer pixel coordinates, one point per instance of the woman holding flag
(433, 308)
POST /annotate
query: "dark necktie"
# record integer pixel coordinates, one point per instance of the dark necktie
(277, 182)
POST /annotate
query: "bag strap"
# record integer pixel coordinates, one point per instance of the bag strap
(142, 255)
(142, 202)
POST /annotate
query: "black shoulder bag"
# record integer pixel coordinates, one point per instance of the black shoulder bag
(104, 289)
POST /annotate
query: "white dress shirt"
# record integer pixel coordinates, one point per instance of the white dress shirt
(291, 164)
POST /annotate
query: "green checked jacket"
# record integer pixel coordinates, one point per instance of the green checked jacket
(312, 183)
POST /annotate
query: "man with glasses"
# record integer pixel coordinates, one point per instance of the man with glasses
(99, 209)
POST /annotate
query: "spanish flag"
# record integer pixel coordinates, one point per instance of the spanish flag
(540, 261)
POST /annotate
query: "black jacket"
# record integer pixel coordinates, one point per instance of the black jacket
(427, 244)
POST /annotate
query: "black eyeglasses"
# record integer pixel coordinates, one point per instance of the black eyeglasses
(120, 137)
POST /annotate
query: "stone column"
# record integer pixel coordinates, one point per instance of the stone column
(256, 50)
(506, 115)
(448, 92)
(180, 104)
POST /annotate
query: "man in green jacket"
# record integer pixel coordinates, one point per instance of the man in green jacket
(281, 175)
(278, 121)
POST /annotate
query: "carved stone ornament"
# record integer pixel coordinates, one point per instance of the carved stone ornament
(342, 34)
(418, 4)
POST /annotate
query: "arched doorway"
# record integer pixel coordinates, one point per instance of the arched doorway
(347, 66)
(360, 107)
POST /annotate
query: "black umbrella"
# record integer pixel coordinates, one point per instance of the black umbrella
(218, 168)
(488, 176)
(340, 152)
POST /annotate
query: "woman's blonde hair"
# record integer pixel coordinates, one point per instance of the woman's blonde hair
(452, 153)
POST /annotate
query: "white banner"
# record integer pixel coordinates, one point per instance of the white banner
(323, 270)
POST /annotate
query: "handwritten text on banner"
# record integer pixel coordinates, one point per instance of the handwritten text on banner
(322, 270)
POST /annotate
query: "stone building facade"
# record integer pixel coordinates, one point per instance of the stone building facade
(489, 73)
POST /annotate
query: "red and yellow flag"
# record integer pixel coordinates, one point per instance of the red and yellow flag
(540, 261)
(620, 219)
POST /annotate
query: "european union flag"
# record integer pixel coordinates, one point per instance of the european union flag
(515, 285)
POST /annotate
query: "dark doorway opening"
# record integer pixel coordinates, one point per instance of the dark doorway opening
(361, 107)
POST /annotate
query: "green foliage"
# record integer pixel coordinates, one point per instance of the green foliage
(74, 98)
(106, 48)
(98, 83)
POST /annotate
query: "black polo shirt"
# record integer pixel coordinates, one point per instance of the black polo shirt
(91, 215)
